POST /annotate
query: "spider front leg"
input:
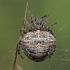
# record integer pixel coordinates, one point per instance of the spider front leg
(47, 17)
(23, 30)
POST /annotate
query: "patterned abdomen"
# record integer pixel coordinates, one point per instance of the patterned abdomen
(38, 45)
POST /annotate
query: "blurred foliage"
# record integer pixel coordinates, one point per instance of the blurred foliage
(11, 13)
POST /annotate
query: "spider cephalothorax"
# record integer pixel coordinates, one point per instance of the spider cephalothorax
(40, 42)
(37, 23)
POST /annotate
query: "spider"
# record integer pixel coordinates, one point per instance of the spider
(39, 42)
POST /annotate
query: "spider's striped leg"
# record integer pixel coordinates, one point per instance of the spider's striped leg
(47, 17)
(25, 22)
(49, 30)
(23, 31)
(18, 49)
(51, 25)
(52, 49)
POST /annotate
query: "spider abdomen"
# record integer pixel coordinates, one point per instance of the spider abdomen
(38, 45)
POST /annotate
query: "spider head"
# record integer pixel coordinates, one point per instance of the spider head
(37, 24)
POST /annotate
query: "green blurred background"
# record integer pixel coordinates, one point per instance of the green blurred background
(11, 13)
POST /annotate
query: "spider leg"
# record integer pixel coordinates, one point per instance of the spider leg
(33, 18)
(49, 30)
(47, 17)
(52, 49)
(18, 50)
(22, 32)
(51, 25)
(25, 21)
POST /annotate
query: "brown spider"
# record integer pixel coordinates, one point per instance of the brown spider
(39, 42)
